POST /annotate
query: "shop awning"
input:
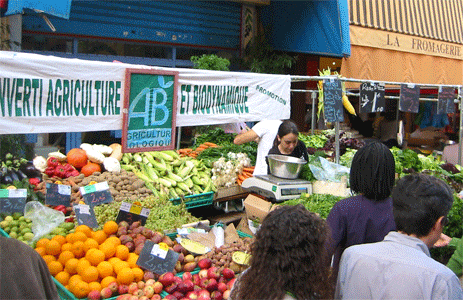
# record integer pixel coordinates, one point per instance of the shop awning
(57, 8)
(314, 27)
(434, 19)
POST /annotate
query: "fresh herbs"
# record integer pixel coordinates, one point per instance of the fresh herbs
(317, 203)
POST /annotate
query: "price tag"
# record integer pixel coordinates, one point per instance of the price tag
(332, 97)
(58, 194)
(132, 213)
(156, 258)
(194, 246)
(409, 98)
(241, 258)
(446, 97)
(372, 97)
(12, 201)
(96, 194)
(85, 215)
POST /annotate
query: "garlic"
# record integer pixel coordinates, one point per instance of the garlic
(58, 155)
(40, 163)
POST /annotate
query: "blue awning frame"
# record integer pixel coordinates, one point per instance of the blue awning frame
(57, 8)
(319, 27)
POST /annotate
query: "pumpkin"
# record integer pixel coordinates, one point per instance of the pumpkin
(90, 168)
(77, 157)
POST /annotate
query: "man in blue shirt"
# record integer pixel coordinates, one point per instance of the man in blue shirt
(400, 266)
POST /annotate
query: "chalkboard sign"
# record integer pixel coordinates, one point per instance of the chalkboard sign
(332, 98)
(132, 213)
(409, 98)
(12, 201)
(372, 97)
(85, 215)
(157, 258)
(445, 104)
(96, 194)
(58, 194)
(150, 109)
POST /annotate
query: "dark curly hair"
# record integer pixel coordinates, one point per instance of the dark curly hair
(288, 256)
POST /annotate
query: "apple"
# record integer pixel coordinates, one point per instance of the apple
(196, 279)
(187, 276)
(203, 273)
(139, 293)
(148, 275)
(185, 286)
(228, 273)
(166, 279)
(231, 283)
(189, 266)
(197, 288)
(170, 297)
(222, 287)
(171, 288)
(122, 289)
(114, 287)
(177, 279)
(141, 285)
(150, 282)
(226, 294)
(189, 258)
(156, 297)
(213, 273)
(222, 279)
(192, 295)
(133, 287)
(123, 297)
(157, 286)
(209, 284)
(94, 295)
(133, 297)
(216, 295)
(204, 295)
(106, 293)
(143, 298)
(177, 295)
(204, 263)
(148, 291)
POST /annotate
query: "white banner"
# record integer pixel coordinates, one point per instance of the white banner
(44, 94)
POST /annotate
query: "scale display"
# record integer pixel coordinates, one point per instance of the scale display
(294, 191)
(277, 189)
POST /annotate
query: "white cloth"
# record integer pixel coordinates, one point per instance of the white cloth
(267, 131)
(399, 267)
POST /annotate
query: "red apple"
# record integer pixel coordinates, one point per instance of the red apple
(226, 294)
(197, 288)
(213, 273)
(177, 295)
(139, 293)
(157, 286)
(149, 282)
(141, 285)
(133, 297)
(177, 279)
(133, 287)
(203, 273)
(230, 283)
(204, 295)
(192, 295)
(205, 263)
(166, 279)
(143, 298)
(170, 297)
(196, 279)
(187, 276)
(209, 284)
(171, 288)
(114, 287)
(148, 275)
(106, 293)
(222, 287)
(185, 286)
(94, 295)
(123, 289)
(228, 273)
(216, 295)
(156, 297)
(148, 291)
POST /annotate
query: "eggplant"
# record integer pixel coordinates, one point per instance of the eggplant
(29, 169)
(14, 176)
(7, 179)
(21, 175)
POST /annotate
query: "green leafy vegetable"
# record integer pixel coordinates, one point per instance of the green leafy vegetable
(215, 135)
(313, 141)
(317, 203)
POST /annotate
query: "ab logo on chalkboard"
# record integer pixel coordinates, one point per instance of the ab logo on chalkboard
(150, 110)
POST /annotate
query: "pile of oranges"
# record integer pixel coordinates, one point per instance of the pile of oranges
(88, 260)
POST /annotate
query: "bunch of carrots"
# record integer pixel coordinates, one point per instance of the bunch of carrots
(245, 173)
(194, 152)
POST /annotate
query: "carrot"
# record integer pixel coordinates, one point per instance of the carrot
(209, 144)
(249, 169)
(239, 182)
(199, 149)
(241, 177)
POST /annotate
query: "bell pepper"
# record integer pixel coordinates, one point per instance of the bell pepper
(34, 181)
(53, 162)
(50, 171)
(60, 172)
(60, 208)
(68, 167)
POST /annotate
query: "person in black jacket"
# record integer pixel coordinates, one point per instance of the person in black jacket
(287, 142)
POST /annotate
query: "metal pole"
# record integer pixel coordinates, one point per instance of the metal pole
(314, 97)
(336, 142)
(179, 137)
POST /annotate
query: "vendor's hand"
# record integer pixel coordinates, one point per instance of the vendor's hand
(443, 241)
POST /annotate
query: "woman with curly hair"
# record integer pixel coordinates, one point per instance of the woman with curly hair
(288, 260)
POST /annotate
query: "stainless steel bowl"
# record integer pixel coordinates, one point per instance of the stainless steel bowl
(285, 166)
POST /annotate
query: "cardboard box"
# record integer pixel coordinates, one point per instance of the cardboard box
(257, 208)
(243, 226)
(224, 192)
(332, 188)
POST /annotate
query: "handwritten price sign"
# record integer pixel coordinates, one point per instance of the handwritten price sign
(96, 194)
(12, 201)
(157, 258)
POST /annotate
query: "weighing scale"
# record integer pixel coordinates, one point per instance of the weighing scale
(277, 189)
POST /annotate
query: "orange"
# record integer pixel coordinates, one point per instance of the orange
(122, 252)
(81, 289)
(125, 276)
(66, 247)
(94, 286)
(65, 256)
(120, 265)
(74, 279)
(105, 269)
(107, 280)
(95, 256)
(60, 239)
(108, 249)
(41, 250)
(80, 236)
(53, 247)
(85, 229)
(90, 274)
(137, 274)
(70, 237)
(114, 260)
(82, 265)
(48, 258)
(55, 267)
(42, 242)
(114, 240)
(63, 277)
(110, 227)
(100, 236)
(132, 260)
(78, 249)
(90, 244)
(71, 266)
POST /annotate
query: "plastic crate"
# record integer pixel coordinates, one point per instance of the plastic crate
(3, 233)
(197, 200)
(65, 294)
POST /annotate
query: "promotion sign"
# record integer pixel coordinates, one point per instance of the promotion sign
(43, 94)
(149, 110)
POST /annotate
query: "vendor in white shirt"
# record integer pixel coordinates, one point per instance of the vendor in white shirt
(264, 134)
